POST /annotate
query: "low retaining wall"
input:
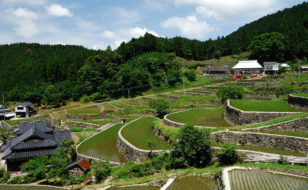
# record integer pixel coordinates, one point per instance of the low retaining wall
(298, 101)
(239, 117)
(297, 144)
(129, 151)
(300, 124)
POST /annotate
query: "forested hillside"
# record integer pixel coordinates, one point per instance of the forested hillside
(52, 74)
(291, 22)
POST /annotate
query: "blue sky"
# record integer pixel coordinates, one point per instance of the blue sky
(99, 23)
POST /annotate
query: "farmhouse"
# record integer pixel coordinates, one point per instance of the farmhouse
(33, 139)
(271, 67)
(248, 67)
(217, 70)
(25, 109)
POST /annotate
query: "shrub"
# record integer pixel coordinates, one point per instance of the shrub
(35, 168)
(190, 75)
(161, 107)
(85, 99)
(161, 162)
(230, 92)
(101, 170)
(4, 176)
(192, 148)
(228, 154)
(76, 129)
(284, 90)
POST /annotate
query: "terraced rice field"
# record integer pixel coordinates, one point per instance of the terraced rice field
(264, 105)
(135, 188)
(84, 111)
(302, 95)
(103, 145)
(257, 179)
(140, 134)
(201, 117)
(26, 187)
(193, 183)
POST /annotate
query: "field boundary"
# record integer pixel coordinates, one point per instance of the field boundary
(240, 117)
(171, 123)
(82, 156)
(129, 151)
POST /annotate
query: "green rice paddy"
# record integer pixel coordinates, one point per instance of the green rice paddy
(135, 188)
(140, 134)
(264, 105)
(201, 117)
(193, 183)
(302, 95)
(103, 145)
(258, 179)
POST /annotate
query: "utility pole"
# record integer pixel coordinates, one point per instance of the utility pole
(3, 104)
(183, 86)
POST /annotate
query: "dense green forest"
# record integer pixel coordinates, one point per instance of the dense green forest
(291, 22)
(52, 74)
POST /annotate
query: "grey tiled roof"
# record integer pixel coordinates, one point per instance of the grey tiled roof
(63, 135)
(30, 154)
(25, 104)
(41, 125)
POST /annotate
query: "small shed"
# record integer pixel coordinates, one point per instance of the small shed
(25, 109)
(271, 67)
(248, 67)
(218, 69)
(78, 168)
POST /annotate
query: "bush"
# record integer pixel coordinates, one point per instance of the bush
(230, 92)
(161, 107)
(284, 90)
(190, 75)
(101, 170)
(161, 162)
(76, 129)
(228, 154)
(4, 176)
(85, 99)
(35, 168)
(192, 148)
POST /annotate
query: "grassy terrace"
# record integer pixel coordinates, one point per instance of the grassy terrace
(97, 122)
(201, 117)
(302, 95)
(27, 187)
(264, 105)
(103, 145)
(139, 133)
(193, 182)
(16, 122)
(265, 149)
(84, 111)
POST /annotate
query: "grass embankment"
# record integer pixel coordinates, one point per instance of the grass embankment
(83, 111)
(271, 122)
(264, 105)
(96, 122)
(201, 117)
(265, 149)
(103, 145)
(302, 95)
(140, 134)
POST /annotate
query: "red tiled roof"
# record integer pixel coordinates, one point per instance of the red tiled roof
(84, 164)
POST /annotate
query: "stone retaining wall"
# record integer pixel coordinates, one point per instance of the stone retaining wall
(239, 117)
(300, 124)
(298, 101)
(297, 144)
(129, 151)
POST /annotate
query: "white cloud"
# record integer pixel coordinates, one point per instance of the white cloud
(25, 13)
(223, 9)
(137, 32)
(58, 10)
(190, 26)
(26, 28)
(124, 35)
(124, 16)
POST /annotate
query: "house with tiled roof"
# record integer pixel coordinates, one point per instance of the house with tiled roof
(25, 109)
(33, 139)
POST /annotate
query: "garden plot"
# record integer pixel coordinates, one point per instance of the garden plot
(194, 183)
(139, 133)
(257, 179)
(264, 106)
(211, 117)
(103, 145)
